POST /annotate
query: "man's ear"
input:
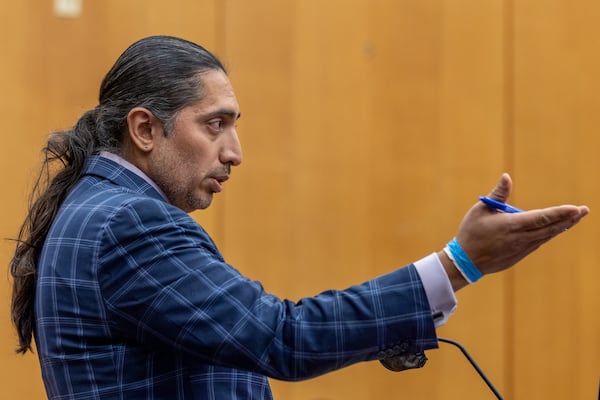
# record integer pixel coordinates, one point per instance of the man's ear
(143, 128)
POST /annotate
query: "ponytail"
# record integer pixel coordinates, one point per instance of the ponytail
(70, 149)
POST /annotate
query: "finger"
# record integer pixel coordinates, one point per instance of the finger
(502, 189)
(530, 240)
(559, 215)
(557, 218)
(546, 234)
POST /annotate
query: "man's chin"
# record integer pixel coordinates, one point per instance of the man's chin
(204, 202)
(197, 203)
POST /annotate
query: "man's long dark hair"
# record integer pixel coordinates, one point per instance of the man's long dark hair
(160, 73)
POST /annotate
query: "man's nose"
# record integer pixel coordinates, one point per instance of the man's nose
(232, 150)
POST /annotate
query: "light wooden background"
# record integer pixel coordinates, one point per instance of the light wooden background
(369, 127)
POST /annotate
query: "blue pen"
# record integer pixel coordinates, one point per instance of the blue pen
(498, 205)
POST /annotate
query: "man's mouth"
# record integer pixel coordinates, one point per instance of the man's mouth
(217, 182)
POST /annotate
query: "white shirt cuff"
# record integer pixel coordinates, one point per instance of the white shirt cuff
(437, 287)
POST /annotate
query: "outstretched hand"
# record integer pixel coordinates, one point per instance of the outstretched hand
(495, 241)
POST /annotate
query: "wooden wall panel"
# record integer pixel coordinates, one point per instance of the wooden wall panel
(296, 215)
(358, 125)
(369, 127)
(20, 105)
(50, 72)
(557, 301)
(443, 84)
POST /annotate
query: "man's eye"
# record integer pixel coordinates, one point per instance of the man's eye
(217, 125)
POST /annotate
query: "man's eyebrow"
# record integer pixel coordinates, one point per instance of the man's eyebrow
(226, 112)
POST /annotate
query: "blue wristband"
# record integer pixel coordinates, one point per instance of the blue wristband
(463, 262)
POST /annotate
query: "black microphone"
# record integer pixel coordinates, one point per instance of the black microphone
(474, 364)
(400, 362)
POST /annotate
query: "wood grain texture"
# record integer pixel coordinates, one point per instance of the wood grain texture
(369, 127)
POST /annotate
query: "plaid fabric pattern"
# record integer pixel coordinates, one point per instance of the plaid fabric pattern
(134, 301)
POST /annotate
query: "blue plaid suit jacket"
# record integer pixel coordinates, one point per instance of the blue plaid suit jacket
(134, 301)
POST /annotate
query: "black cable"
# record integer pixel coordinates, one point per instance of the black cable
(479, 371)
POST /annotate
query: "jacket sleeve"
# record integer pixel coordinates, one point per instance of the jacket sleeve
(166, 286)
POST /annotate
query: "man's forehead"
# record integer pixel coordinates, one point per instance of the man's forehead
(218, 96)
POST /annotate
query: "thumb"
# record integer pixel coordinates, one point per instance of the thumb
(502, 189)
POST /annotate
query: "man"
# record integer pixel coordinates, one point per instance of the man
(128, 297)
